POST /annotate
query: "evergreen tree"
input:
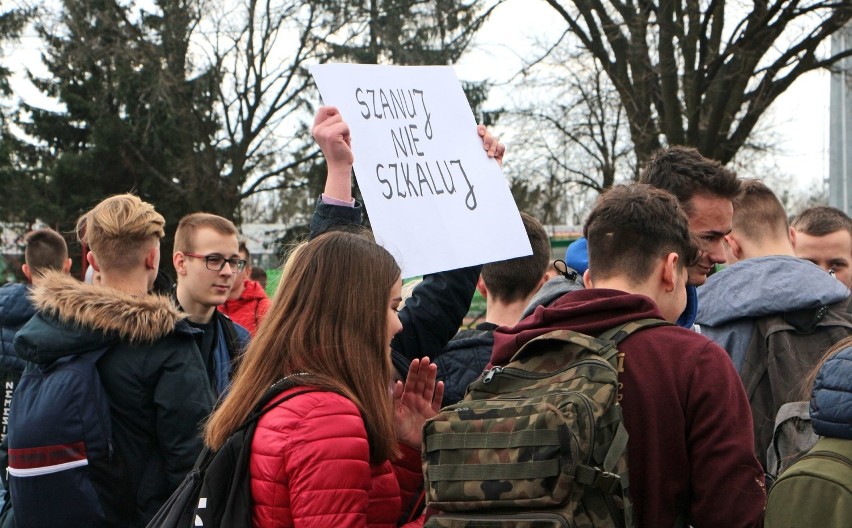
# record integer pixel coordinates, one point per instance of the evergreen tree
(133, 119)
(23, 193)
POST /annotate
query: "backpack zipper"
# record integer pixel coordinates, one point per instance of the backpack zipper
(828, 454)
(490, 374)
(518, 517)
(525, 374)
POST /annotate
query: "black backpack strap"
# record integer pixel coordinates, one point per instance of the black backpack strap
(264, 406)
(415, 507)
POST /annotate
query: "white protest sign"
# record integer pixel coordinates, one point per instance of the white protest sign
(435, 199)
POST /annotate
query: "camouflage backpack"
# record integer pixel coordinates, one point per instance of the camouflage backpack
(539, 442)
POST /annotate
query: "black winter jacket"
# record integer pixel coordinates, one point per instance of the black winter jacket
(463, 360)
(152, 373)
(15, 310)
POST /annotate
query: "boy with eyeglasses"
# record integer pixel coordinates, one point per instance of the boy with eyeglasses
(207, 261)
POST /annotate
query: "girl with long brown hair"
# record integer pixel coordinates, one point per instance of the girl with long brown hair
(348, 454)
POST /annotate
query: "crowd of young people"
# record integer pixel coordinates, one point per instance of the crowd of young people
(177, 371)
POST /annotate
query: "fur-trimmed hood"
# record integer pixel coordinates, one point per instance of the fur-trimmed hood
(131, 318)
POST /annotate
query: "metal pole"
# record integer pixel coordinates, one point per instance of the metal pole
(844, 146)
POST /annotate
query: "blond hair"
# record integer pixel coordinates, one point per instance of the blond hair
(119, 231)
(334, 330)
(189, 224)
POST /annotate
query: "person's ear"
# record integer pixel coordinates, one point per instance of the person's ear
(92, 261)
(793, 236)
(151, 258)
(483, 289)
(66, 268)
(670, 271)
(587, 279)
(179, 261)
(734, 244)
(27, 272)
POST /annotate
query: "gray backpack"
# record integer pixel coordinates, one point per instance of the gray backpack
(792, 438)
(783, 351)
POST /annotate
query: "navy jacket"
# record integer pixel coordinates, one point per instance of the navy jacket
(463, 360)
(831, 404)
(15, 310)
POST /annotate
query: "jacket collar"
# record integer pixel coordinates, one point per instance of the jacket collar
(133, 318)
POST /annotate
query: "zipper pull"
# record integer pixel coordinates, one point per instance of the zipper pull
(490, 374)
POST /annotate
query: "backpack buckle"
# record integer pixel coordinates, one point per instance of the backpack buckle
(598, 478)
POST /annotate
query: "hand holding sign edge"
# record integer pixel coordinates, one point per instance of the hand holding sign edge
(491, 144)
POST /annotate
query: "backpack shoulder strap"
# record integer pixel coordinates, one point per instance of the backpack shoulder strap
(266, 402)
(621, 332)
(755, 359)
(603, 345)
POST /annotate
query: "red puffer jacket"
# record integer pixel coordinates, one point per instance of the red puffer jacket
(249, 309)
(310, 467)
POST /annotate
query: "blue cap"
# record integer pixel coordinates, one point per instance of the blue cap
(577, 255)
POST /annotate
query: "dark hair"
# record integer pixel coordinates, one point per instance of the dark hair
(631, 227)
(244, 249)
(163, 283)
(758, 213)
(821, 221)
(684, 172)
(258, 274)
(514, 279)
(45, 250)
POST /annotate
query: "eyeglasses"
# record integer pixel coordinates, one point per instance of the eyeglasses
(217, 262)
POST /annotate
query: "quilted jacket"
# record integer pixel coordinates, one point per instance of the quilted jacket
(463, 360)
(310, 467)
(249, 309)
(831, 405)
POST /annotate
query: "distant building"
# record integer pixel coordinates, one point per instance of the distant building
(263, 242)
(840, 125)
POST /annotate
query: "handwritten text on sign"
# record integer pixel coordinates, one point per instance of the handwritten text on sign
(435, 199)
(404, 179)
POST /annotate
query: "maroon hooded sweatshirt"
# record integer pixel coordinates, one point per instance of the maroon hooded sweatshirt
(691, 442)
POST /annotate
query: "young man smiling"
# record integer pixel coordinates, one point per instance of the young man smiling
(207, 261)
(706, 190)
